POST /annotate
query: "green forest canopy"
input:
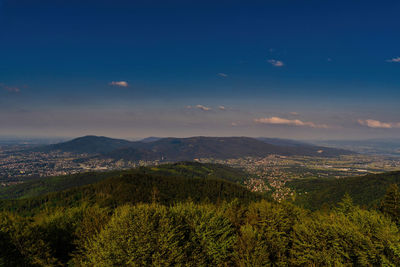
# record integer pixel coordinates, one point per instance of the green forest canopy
(183, 214)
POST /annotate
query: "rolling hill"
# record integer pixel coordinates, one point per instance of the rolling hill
(187, 149)
(365, 190)
(180, 149)
(166, 184)
(45, 185)
(88, 144)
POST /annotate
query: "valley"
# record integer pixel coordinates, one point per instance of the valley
(269, 173)
(273, 172)
(16, 165)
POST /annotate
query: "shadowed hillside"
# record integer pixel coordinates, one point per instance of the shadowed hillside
(46, 185)
(365, 190)
(188, 149)
(88, 144)
(179, 149)
(142, 186)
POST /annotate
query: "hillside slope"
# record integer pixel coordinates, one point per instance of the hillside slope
(181, 149)
(187, 149)
(135, 187)
(365, 190)
(88, 144)
(46, 185)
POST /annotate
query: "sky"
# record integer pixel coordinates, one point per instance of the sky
(290, 69)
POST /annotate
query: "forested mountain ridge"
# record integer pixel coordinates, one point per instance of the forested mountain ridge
(365, 190)
(89, 144)
(44, 185)
(166, 184)
(181, 149)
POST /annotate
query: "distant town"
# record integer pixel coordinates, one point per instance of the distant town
(273, 172)
(269, 173)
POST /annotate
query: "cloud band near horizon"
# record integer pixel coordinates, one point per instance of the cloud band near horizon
(283, 121)
(379, 124)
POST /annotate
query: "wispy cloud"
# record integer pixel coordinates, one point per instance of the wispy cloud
(379, 124)
(276, 63)
(119, 83)
(294, 113)
(11, 89)
(395, 60)
(223, 75)
(283, 121)
(203, 108)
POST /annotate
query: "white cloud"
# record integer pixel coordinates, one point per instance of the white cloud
(294, 113)
(395, 60)
(282, 121)
(203, 108)
(221, 74)
(119, 83)
(378, 124)
(276, 63)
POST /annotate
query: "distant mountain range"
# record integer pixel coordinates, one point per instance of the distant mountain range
(88, 144)
(181, 149)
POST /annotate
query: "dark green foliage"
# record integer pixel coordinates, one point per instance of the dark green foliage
(391, 203)
(155, 235)
(347, 236)
(47, 239)
(21, 243)
(40, 186)
(365, 190)
(199, 170)
(46, 185)
(264, 234)
(143, 218)
(141, 236)
(140, 186)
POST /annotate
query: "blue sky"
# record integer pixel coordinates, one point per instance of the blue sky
(293, 69)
